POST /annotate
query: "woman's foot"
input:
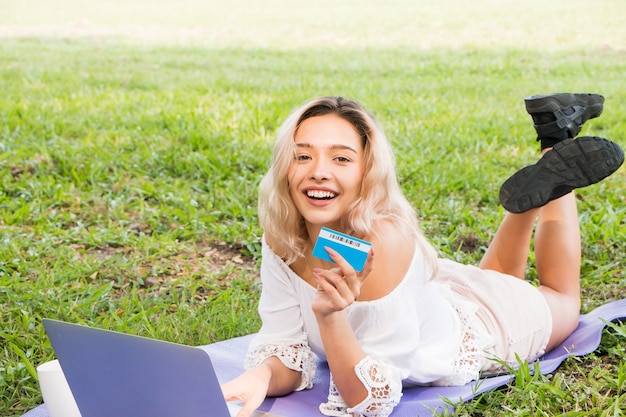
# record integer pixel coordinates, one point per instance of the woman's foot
(561, 116)
(570, 164)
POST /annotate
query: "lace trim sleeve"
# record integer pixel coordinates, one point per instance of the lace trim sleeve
(384, 391)
(294, 354)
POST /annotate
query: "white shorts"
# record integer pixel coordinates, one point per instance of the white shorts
(512, 311)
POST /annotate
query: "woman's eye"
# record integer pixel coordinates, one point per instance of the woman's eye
(302, 157)
(342, 159)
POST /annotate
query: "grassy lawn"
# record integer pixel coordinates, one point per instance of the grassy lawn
(133, 135)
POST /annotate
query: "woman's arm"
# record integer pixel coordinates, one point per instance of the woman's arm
(340, 287)
(343, 353)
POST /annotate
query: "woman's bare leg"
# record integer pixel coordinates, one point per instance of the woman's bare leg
(508, 251)
(558, 258)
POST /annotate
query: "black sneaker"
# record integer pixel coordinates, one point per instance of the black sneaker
(561, 116)
(570, 164)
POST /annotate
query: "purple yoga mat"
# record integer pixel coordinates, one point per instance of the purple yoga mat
(227, 357)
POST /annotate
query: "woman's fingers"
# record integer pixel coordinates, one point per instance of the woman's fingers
(341, 286)
(249, 389)
(354, 278)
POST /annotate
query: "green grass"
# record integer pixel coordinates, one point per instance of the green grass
(130, 152)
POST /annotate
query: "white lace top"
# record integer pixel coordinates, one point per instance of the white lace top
(417, 334)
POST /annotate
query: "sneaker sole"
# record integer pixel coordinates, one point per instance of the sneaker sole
(569, 165)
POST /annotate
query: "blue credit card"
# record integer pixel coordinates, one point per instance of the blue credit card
(353, 250)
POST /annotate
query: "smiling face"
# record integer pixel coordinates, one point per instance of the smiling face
(326, 174)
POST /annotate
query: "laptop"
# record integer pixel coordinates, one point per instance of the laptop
(113, 374)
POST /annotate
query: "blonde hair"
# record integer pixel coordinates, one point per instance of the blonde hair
(380, 198)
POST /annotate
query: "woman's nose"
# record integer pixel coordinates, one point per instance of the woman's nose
(320, 170)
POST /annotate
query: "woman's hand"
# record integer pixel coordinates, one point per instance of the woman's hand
(250, 388)
(339, 287)
(270, 378)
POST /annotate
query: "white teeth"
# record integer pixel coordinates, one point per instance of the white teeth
(320, 194)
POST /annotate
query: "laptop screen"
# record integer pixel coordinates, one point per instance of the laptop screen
(115, 374)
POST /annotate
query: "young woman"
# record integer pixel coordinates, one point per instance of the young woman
(409, 317)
